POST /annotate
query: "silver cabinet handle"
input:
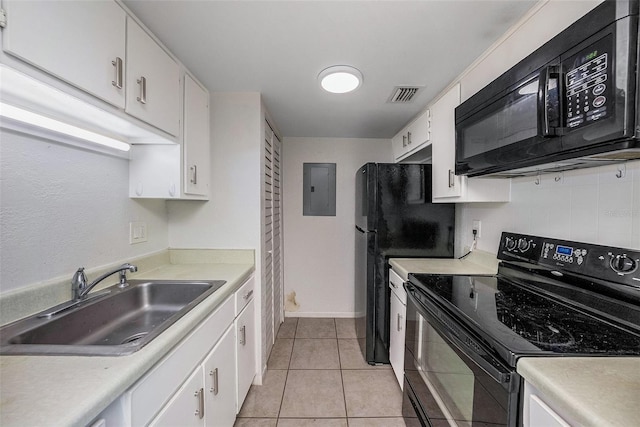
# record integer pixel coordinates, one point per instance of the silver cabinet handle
(404, 141)
(117, 63)
(142, 81)
(214, 374)
(452, 181)
(194, 176)
(200, 396)
(248, 295)
(399, 322)
(408, 137)
(243, 335)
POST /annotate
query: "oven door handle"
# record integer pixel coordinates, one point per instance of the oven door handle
(470, 347)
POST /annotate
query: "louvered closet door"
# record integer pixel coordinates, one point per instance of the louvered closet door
(278, 298)
(267, 263)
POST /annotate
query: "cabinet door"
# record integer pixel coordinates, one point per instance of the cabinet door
(399, 144)
(153, 81)
(196, 138)
(419, 132)
(220, 383)
(186, 407)
(396, 337)
(445, 182)
(81, 42)
(245, 345)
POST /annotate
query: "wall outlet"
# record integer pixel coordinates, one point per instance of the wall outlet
(476, 227)
(137, 232)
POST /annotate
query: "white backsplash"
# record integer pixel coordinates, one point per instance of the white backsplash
(588, 205)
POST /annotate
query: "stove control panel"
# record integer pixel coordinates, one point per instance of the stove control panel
(604, 262)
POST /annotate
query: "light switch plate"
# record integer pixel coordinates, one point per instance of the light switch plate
(137, 232)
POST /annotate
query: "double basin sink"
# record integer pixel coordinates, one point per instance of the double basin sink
(113, 322)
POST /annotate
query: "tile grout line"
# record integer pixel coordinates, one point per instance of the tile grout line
(344, 393)
(288, 369)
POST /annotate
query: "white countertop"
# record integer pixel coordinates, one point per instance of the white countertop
(593, 391)
(477, 262)
(72, 390)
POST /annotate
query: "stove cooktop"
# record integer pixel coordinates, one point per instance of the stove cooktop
(550, 297)
(519, 321)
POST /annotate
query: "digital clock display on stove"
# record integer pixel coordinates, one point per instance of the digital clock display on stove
(564, 250)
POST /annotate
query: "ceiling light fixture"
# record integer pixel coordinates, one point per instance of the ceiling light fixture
(340, 79)
(24, 116)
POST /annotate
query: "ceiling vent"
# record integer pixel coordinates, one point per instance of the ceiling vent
(403, 94)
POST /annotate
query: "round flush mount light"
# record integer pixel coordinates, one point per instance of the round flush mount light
(340, 79)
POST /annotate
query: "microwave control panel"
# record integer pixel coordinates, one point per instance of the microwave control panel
(589, 84)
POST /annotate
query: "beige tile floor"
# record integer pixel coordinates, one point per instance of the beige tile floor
(316, 376)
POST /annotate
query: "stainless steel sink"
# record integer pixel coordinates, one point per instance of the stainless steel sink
(115, 322)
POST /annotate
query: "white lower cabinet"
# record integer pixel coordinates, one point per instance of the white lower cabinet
(208, 397)
(397, 322)
(203, 380)
(220, 383)
(186, 406)
(538, 411)
(246, 351)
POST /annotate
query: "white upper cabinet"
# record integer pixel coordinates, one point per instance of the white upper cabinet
(80, 42)
(446, 185)
(173, 171)
(153, 81)
(195, 139)
(444, 181)
(413, 138)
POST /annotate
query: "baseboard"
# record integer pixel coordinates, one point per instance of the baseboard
(347, 315)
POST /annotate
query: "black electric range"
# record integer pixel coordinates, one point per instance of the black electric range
(464, 334)
(549, 297)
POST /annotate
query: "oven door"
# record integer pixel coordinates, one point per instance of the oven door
(450, 378)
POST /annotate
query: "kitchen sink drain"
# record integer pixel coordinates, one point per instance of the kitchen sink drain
(134, 338)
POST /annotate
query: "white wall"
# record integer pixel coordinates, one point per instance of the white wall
(62, 207)
(231, 219)
(319, 251)
(589, 205)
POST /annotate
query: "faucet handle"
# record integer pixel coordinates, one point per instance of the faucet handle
(78, 283)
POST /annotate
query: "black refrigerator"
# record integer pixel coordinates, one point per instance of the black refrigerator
(394, 218)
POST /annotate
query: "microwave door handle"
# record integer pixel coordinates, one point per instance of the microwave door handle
(544, 127)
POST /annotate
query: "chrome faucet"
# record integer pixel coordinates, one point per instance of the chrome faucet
(80, 289)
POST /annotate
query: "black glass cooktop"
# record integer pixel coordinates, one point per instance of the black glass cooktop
(521, 317)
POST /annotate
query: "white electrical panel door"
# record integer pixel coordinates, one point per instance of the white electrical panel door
(80, 42)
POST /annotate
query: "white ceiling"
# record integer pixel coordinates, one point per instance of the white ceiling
(279, 47)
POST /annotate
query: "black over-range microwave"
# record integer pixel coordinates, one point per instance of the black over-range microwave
(572, 103)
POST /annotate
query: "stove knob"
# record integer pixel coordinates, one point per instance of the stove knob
(523, 245)
(623, 264)
(510, 243)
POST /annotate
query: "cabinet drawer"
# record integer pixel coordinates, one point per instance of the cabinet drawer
(244, 294)
(396, 285)
(149, 394)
